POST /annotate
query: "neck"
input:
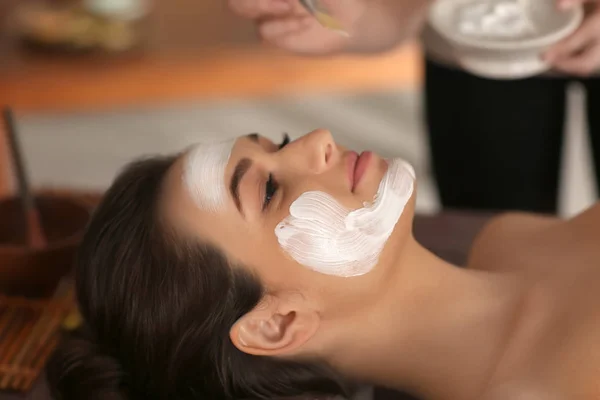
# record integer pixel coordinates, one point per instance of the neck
(440, 330)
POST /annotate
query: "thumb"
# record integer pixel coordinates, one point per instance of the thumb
(272, 29)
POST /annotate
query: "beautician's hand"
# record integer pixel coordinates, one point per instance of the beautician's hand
(286, 24)
(373, 25)
(579, 54)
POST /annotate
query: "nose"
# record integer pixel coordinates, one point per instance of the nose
(315, 151)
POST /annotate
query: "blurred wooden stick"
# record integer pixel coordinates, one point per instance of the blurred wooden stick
(5, 171)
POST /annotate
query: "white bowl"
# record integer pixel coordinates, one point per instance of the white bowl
(506, 58)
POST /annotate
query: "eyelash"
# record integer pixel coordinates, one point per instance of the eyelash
(272, 185)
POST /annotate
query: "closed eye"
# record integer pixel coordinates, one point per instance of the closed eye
(272, 185)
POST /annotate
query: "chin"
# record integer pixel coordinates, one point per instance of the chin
(405, 220)
(379, 167)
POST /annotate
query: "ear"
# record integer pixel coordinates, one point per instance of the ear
(278, 325)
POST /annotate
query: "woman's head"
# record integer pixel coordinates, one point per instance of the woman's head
(186, 290)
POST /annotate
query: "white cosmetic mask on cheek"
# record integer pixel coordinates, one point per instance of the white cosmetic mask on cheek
(326, 237)
(204, 173)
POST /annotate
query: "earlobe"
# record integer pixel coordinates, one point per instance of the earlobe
(274, 330)
(270, 334)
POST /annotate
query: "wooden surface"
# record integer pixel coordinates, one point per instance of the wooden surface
(449, 235)
(30, 330)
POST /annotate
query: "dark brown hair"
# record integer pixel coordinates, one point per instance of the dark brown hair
(158, 308)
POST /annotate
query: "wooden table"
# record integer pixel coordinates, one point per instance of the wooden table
(449, 235)
(196, 49)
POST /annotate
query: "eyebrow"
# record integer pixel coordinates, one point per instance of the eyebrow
(238, 174)
(253, 137)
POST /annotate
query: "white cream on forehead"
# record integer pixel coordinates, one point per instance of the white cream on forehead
(204, 173)
(328, 238)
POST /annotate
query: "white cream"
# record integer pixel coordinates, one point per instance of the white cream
(204, 173)
(495, 19)
(326, 237)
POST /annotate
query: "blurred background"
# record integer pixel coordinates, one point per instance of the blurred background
(97, 83)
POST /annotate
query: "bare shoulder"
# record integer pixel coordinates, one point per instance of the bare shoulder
(508, 233)
(520, 233)
(521, 391)
(520, 223)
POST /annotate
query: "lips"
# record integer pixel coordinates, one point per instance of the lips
(361, 167)
(351, 161)
(357, 166)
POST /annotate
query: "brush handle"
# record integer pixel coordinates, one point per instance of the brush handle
(35, 234)
(15, 151)
(323, 16)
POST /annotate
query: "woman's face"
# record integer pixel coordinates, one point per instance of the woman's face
(235, 195)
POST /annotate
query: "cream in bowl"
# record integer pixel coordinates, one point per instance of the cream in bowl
(503, 39)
